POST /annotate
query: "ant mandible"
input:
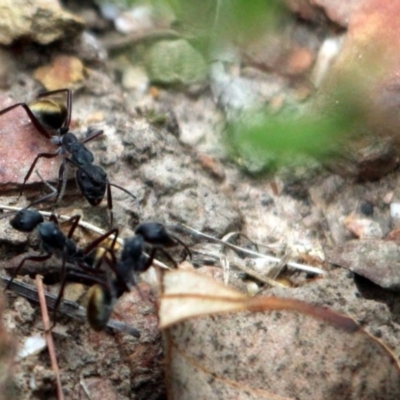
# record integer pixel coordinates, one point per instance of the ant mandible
(133, 260)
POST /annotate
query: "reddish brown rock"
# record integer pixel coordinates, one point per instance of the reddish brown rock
(367, 71)
(279, 53)
(337, 11)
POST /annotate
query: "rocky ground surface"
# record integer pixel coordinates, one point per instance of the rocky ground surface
(164, 141)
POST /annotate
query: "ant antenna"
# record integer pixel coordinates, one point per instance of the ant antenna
(54, 191)
(123, 189)
(9, 214)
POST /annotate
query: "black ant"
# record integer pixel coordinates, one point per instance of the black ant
(48, 114)
(133, 260)
(54, 242)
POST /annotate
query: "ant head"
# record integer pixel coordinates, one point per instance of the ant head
(92, 181)
(26, 220)
(155, 233)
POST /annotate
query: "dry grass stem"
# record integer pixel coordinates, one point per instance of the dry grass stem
(48, 335)
(301, 267)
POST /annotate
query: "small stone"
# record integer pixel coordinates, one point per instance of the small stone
(299, 61)
(212, 166)
(98, 388)
(395, 210)
(376, 260)
(42, 21)
(176, 62)
(394, 235)
(136, 19)
(363, 228)
(367, 208)
(136, 79)
(388, 197)
(63, 72)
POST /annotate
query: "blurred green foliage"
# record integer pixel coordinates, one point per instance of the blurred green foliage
(265, 136)
(270, 141)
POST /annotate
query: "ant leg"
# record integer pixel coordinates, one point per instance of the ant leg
(85, 278)
(40, 155)
(166, 254)
(42, 199)
(53, 218)
(109, 203)
(188, 252)
(62, 180)
(109, 198)
(108, 256)
(31, 116)
(29, 258)
(75, 221)
(91, 246)
(69, 103)
(92, 136)
(63, 281)
(53, 193)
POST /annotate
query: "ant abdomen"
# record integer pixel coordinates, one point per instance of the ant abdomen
(99, 307)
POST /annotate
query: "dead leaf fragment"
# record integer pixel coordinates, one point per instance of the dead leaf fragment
(288, 350)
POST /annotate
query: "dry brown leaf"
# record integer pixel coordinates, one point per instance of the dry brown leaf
(288, 350)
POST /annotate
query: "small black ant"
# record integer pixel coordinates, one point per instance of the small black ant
(133, 260)
(54, 242)
(48, 114)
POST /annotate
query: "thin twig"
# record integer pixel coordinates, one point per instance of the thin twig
(48, 335)
(134, 38)
(302, 267)
(239, 263)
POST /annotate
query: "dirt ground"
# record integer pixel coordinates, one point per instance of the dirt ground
(181, 173)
